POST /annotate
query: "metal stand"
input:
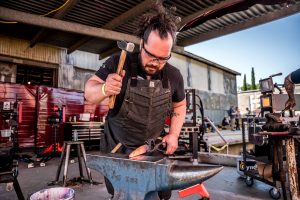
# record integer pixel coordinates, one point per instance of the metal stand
(65, 155)
(11, 176)
(53, 150)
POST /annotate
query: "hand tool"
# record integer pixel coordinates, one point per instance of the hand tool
(126, 47)
(149, 147)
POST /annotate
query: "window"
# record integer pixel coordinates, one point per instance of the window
(35, 75)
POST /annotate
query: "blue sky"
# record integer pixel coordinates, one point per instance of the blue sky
(270, 48)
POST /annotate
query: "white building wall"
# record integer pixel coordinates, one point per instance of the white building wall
(199, 75)
(179, 62)
(194, 72)
(217, 81)
(215, 87)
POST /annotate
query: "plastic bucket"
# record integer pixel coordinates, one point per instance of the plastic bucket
(57, 193)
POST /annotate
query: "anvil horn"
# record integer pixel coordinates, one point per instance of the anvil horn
(182, 176)
(140, 178)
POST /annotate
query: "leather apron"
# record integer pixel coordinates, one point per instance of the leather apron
(142, 115)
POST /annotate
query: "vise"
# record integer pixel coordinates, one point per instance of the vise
(140, 178)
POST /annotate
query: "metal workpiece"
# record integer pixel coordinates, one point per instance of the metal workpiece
(140, 178)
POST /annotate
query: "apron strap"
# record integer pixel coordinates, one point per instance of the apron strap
(165, 80)
(133, 68)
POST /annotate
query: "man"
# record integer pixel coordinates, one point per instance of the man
(232, 115)
(289, 81)
(248, 111)
(237, 118)
(147, 90)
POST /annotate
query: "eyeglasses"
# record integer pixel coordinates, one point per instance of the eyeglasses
(160, 60)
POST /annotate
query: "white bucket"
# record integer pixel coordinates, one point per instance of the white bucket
(5, 133)
(57, 193)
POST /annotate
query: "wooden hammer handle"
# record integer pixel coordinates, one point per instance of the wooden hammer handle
(122, 58)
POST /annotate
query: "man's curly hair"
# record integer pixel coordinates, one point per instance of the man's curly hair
(159, 19)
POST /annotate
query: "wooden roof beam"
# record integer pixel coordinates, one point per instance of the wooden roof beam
(57, 24)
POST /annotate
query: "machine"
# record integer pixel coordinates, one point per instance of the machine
(191, 139)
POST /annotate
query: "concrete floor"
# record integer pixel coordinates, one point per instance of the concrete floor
(226, 185)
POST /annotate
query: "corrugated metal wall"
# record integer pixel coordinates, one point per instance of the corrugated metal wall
(20, 49)
(73, 70)
(49, 97)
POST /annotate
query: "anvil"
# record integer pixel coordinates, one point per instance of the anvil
(140, 178)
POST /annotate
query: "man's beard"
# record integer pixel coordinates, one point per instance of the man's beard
(151, 69)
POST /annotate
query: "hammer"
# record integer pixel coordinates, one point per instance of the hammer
(126, 47)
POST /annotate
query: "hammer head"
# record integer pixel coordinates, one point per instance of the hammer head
(126, 46)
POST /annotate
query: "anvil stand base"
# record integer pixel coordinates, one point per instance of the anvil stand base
(81, 158)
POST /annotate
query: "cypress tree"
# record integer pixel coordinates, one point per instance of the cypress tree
(253, 85)
(244, 88)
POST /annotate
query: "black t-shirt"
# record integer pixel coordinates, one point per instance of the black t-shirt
(295, 76)
(111, 65)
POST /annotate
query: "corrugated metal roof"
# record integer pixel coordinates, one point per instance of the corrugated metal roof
(123, 16)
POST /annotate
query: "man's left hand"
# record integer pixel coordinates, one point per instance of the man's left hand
(172, 143)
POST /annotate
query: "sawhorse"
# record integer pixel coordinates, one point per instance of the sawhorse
(65, 155)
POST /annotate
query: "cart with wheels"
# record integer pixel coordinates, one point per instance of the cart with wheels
(267, 155)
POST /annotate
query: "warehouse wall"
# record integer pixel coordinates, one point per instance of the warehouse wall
(20, 49)
(73, 70)
(216, 88)
(77, 68)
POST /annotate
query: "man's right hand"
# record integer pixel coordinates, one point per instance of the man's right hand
(290, 103)
(113, 83)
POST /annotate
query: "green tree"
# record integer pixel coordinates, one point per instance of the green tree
(244, 87)
(248, 86)
(253, 85)
(257, 86)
